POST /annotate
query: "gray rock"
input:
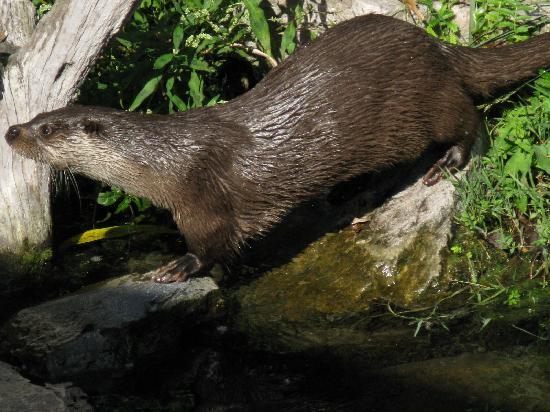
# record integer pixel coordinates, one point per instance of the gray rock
(17, 394)
(105, 328)
(326, 14)
(408, 235)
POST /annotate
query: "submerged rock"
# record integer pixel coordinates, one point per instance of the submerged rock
(103, 330)
(18, 394)
(490, 381)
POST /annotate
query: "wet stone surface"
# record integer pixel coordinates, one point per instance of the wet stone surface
(18, 394)
(103, 329)
(332, 293)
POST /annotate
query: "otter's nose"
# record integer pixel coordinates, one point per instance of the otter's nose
(13, 133)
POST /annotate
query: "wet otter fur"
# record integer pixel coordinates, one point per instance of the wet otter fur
(370, 93)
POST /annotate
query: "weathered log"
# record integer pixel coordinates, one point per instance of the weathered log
(44, 74)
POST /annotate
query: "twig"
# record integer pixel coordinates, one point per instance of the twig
(272, 62)
(412, 7)
(529, 333)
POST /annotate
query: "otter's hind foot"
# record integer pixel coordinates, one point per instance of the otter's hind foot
(454, 158)
(178, 270)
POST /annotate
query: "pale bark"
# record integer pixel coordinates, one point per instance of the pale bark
(44, 74)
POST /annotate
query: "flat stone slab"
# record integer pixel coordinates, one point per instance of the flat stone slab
(105, 327)
(18, 394)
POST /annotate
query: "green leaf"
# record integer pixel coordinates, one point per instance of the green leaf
(177, 37)
(419, 324)
(122, 206)
(259, 25)
(178, 8)
(194, 4)
(124, 42)
(139, 17)
(521, 202)
(175, 99)
(200, 65)
(180, 104)
(195, 89)
(147, 90)
(107, 198)
(213, 100)
(212, 5)
(163, 61)
(520, 162)
(142, 204)
(288, 42)
(542, 156)
(431, 31)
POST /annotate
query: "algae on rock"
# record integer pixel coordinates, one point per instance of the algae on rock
(329, 295)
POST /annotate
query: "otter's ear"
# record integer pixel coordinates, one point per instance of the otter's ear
(91, 126)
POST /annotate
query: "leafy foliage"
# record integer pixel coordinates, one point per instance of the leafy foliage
(506, 197)
(259, 24)
(493, 18)
(441, 22)
(123, 202)
(42, 7)
(182, 54)
(169, 55)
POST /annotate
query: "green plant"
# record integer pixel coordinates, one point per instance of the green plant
(42, 7)
(172, 55)
(514, 297)
(506, 195)
(492, 19)
(124, 203)
(168, 56)
(441, 20)
(286, 32)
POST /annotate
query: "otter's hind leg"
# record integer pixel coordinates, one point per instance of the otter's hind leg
(462, 125)
(454, 158)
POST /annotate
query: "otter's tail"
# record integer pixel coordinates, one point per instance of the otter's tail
(485, 72)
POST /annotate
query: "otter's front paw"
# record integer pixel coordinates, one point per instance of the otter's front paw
(178, 270)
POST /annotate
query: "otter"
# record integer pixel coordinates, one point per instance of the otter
(370, 93)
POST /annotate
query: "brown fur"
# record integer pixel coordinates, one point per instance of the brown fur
(370, 93)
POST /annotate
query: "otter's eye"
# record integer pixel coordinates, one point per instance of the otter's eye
(45, 130)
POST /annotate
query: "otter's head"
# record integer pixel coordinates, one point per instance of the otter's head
(63, 138)
(93, 141)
